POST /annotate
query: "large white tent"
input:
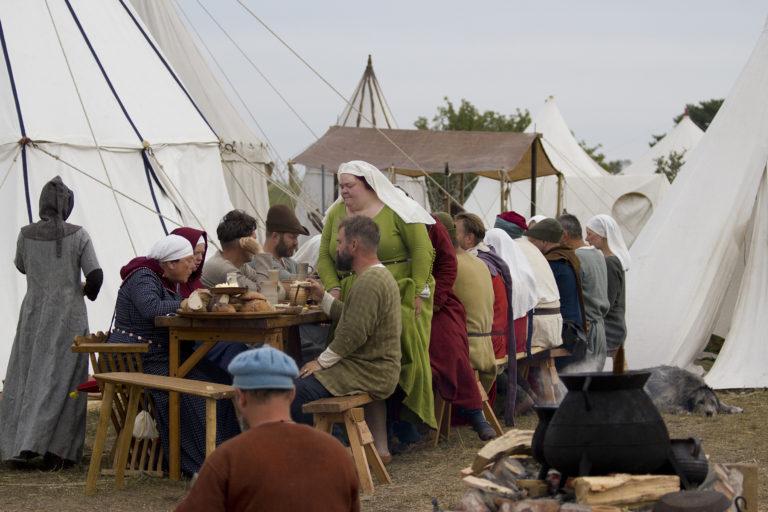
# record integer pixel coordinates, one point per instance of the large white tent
(681, 139)
(587, 190)
(243, 154)
(86, 96)
(688, 254)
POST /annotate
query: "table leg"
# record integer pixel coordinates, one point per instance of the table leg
(174, 457)
(210, 426)
(101, 435)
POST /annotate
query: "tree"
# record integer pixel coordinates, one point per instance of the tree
(669, 166)
(701, 114)
(613, 167)
(467, 117)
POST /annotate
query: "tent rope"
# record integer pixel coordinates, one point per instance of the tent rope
(13, 161)
(90, 128)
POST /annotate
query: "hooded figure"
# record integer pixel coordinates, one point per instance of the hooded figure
(37, 416)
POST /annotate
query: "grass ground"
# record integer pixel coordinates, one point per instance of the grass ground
(417, 477)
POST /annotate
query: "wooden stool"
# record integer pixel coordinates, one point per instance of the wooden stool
(490, 416)
(348, 410)
(619, 359)
(544, 360)
(443, 411)
(136, 383)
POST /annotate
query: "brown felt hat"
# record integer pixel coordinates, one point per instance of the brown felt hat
(548, 230)
(281, 219)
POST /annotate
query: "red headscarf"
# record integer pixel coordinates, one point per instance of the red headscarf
(193, 235)
(150, 264)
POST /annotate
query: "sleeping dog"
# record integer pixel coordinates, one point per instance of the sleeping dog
(677, 391)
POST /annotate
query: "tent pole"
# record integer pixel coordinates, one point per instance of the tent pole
(322, 188)
(559, 195)
(447, 193)
(461, 186)
(533, 175)
(502, 199)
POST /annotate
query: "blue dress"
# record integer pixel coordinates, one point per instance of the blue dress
(141, 298)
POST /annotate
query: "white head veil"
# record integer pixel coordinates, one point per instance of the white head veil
(524, 294)
(409, 210)
(170, 248)
(536, 218)
(606, 227)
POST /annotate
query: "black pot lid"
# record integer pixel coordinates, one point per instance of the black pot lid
(700, 501)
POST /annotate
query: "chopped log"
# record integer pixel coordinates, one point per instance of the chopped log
(535, 488)
(488, 486)
(513, 441)
(623, 489)
(749, 472)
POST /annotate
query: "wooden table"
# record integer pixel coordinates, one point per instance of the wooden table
(211, 329)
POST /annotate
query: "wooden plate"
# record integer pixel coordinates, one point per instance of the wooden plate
(236, 315)
(228, 290)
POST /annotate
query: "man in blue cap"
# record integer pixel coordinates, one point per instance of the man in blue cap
(274, 464)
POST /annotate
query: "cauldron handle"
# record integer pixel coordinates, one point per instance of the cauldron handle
(696, 447)
(585, 390)
(743, 507)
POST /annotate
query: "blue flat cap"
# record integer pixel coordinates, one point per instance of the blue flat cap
(263, 368)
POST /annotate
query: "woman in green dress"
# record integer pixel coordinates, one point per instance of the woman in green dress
(405, 249)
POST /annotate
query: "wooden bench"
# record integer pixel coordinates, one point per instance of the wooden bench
(348, 411)
(544, 360)
(136, 383)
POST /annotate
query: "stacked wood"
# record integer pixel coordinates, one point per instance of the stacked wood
(623, 489)
(514, 441)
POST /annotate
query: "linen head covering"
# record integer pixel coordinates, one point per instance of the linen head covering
(606, 227)
(263, 368)
(170, 248)
(546, 229)
(56, 204)
(406, 208)
(524, 294)
(282, 219)
(446, 220)
(536, 218)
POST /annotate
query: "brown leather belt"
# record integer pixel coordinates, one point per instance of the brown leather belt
(483, 334)
(546, 311)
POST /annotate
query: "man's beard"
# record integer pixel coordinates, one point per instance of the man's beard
(284, 250)
(344, 261)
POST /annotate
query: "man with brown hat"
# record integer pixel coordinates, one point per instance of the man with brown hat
(283, 230)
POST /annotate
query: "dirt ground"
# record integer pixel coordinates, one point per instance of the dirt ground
(417, 477)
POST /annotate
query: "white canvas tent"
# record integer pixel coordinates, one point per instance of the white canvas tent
(587, 190)
(243, 154)
(370, 111)
(100, 107)
(681, 139)
(686, 257)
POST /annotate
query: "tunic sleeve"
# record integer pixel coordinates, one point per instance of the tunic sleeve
(19, 260)
(88, 260)
(325, 264)
(615, 276)
(420, 249)
(445, 266)
(146, 293)
(358, 321)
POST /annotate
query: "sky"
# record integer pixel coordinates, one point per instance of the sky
(619, 71)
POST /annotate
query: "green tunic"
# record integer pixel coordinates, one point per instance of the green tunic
(408, 253)
(367, 338)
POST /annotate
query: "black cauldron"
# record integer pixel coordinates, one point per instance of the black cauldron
(606, 424)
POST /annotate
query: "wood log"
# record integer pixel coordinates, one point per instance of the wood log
(488, 486)
(623, 489)
(749, 472)
(513, 441)
(536, 488)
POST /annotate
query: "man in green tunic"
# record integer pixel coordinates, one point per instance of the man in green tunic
(364, 355)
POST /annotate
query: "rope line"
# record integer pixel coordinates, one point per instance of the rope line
(10, 167)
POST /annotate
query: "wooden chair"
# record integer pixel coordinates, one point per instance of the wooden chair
(146, 454)
(136, 384)
(348, 411)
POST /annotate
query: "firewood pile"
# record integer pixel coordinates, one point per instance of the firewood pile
(504, 478)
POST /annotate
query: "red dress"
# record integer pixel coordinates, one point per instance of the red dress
(452, 374)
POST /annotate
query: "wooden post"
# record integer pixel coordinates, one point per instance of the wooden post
(447, 188)
(461, 189)
(322, 188)
(533, 175)
(559, 194)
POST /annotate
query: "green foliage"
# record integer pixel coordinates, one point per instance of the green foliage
(613, 166)
(469, 118)
(669, 166)
(656, 139)
(466, 117)
(703, 113)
